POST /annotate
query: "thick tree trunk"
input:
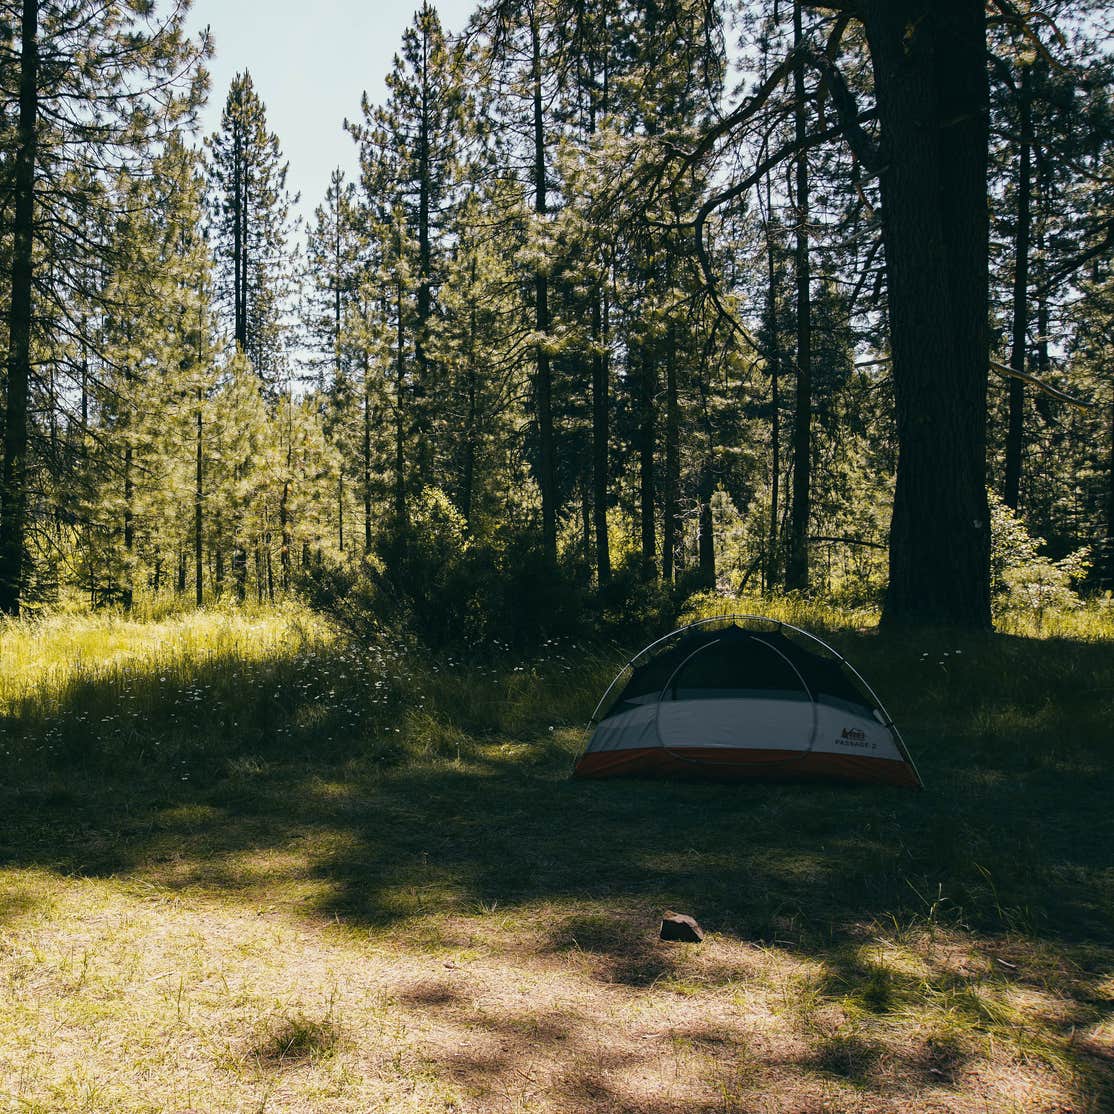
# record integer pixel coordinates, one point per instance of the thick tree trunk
(796, 569)
(13, 477)
(930, 76)
(1015, 434)
(599, 441)
(547, 480)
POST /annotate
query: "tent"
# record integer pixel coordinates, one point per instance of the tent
(744, 697)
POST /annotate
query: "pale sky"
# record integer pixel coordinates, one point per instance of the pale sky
(310, 63)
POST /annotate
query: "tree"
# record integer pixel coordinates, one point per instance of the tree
(408, 156)
(333, 273)
(929, 153)
(99, 84)
(251, 225)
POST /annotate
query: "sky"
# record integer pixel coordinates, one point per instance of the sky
(310, 63)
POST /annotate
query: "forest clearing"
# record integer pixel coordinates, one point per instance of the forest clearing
(376, 385)
(246, 868)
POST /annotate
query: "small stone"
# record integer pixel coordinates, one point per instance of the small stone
(680, 926)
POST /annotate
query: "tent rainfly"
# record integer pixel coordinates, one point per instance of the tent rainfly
(744, 697)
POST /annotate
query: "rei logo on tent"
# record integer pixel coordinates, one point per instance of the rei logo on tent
(744, 697)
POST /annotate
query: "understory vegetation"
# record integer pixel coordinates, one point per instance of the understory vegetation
(247, 864)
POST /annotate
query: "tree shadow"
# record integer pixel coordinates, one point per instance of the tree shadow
(341, 825)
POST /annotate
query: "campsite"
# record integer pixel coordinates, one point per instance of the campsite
(300, 908)
(556, 557)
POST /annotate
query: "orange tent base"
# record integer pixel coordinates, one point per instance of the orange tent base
(724, 764)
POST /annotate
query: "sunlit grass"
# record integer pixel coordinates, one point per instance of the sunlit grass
(245, 866)
(45, 656)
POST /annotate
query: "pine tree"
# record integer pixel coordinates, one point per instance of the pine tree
(408, 156)
(333, 267)
(99, 84)
(250, 230)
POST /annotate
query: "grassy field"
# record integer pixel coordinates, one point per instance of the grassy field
(245, 868)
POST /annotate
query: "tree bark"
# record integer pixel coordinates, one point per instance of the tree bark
(544, 387)
(773, 362)
(468, 465)
(1106, 568)
(340, 512)
(239, 238)
(706, 540)
(198, 506)
(670, 508)
(646, 439)
(13, 479)
(930, 76)
(599, 441)
(796, 570)
(422, 386)
(128, 593)
(367, 454)
(400, 427)
(1015, 434)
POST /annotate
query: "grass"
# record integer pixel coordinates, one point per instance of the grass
(244, 867)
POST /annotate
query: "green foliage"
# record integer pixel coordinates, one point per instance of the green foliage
(1023, 577)
(433, 582)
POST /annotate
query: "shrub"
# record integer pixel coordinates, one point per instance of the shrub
(432, 581)
(1022, 577)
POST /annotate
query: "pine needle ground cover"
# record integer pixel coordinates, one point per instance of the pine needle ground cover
(244, 867)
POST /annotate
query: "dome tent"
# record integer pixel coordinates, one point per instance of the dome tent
(743, 696)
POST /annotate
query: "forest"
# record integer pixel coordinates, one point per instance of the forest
(326, 522)
(625, 296)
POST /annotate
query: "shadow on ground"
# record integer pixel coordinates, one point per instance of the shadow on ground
(1012, 842)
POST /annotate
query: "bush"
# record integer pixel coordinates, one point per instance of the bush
(433, 582)
(1022, 577)
(436, 584)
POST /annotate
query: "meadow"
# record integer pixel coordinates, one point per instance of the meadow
(248, 867)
